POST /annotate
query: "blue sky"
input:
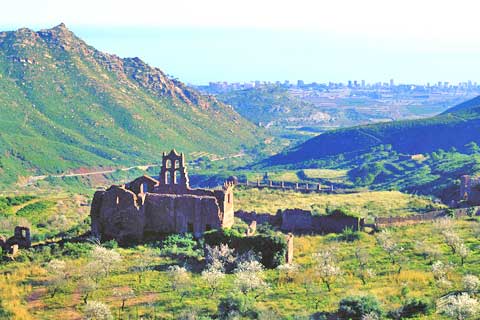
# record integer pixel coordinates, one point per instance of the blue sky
(214, 40)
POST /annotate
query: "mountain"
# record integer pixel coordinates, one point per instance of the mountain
(66, 105)
(454, 128)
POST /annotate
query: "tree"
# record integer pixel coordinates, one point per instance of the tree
(460, 307)
(427, 251)
(95, 310)
(87, 286)
(213, 278)
(287, 272)
(462, 251)
(107, 259)
(440, 273)
(143, 264)
(179, 280)
(58, 275)
(123, 294)
(391, 246)
(452, 239)
(93, 271)
(445, 227)
(363, 272)
(220, 257)
(326, 267)
(248, 277)
(471, 283)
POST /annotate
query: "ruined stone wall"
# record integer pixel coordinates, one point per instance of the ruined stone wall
(419, 218)
(470, 189)
(176, 214)
(119, 214)
(260, 218)
(296, 220)
(303, 221)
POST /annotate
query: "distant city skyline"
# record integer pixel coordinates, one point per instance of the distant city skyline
(203, 41)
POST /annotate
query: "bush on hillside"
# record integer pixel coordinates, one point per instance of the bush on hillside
(181, 246)
(355, 307)
(412, 308)
(270, 247)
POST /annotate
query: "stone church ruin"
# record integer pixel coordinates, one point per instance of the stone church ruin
(146, 208)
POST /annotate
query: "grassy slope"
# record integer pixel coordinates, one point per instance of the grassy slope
(65, 105)
(379, 203)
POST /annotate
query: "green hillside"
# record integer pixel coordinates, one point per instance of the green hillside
(454, 128)
(425, 156)
(65, 105)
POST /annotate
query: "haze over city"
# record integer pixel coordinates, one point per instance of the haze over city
(205, 41)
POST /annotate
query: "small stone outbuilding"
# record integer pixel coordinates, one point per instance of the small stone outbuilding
(146, 208)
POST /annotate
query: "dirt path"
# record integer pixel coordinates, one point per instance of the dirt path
(34, 300)
(33, 179)
(35, 304)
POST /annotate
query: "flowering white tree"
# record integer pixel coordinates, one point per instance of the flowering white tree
(364, 272)
(326, 267)
(107, 259)
(123, 294)
(387, 241)
(213, 278)
(460, 307)
(370, 316)
(143, 264)
(87, 286)
(440, 274)
(179, 280)
(427, 250)
(439, 270)
(287, 272)
(58, 275)
(93, 270)
(220, 257)
(95, 310)
(248, 277)
(471, 283)
(462, 251)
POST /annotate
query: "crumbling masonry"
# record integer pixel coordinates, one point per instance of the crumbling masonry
(470, 189)
(146, 208)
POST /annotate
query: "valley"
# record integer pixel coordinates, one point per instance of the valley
(127, 194)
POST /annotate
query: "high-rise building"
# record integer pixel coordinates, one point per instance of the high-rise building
(392, 83)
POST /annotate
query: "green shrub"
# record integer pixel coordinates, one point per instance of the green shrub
(348, 235)
(355, 307)
(234, 306)
(412, 308)
(450, 213)
(181, 245)
(271, 248)
(111, 244)
(77, 250)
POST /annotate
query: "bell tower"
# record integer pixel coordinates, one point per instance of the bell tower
(173, 174)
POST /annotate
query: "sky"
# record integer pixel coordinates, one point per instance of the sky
(228, 40)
